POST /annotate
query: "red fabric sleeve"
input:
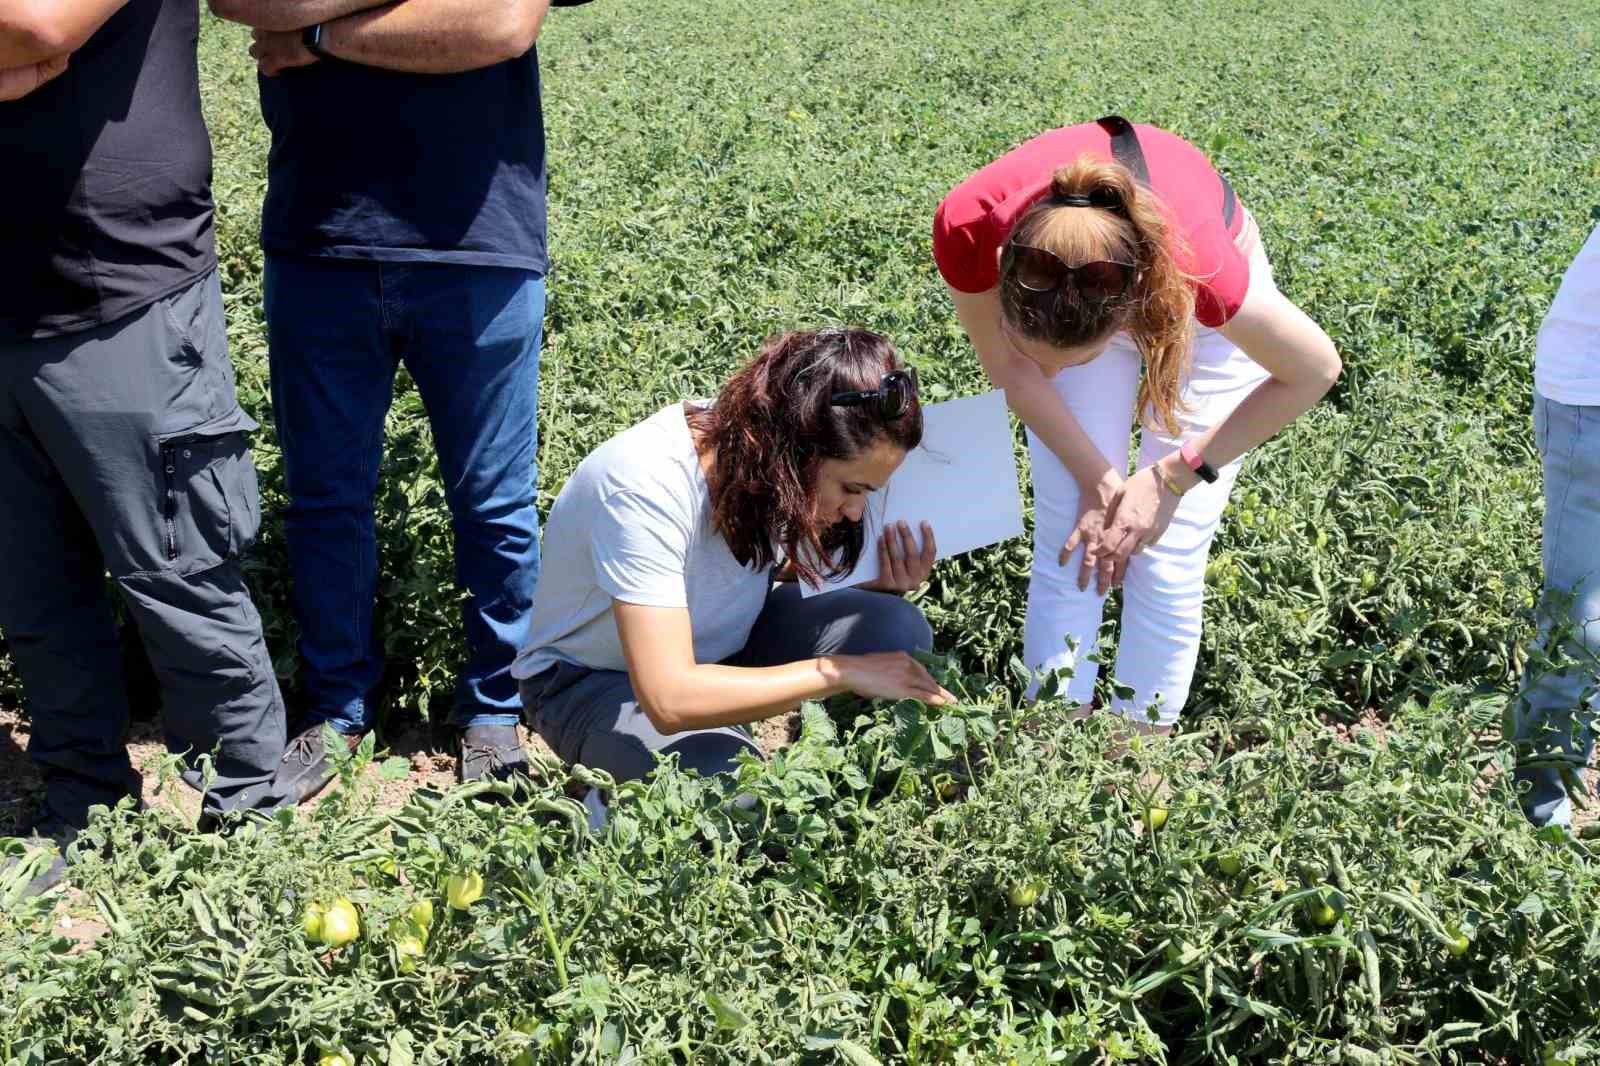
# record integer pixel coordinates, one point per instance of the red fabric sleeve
(1221, 273)
(961, 246)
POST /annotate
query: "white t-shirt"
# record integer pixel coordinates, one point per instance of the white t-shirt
(633, 523)
(1567, 366)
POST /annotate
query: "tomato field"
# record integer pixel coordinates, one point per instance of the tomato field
(1326, 864)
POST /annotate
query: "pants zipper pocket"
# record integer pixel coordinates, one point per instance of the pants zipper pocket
(169, 461)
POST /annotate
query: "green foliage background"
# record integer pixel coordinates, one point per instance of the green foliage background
(1422, 172)
(720, 171)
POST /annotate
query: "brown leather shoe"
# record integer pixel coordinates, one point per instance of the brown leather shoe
(305, 769)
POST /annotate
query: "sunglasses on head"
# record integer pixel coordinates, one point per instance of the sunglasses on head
(891, 399)
(1039, 270)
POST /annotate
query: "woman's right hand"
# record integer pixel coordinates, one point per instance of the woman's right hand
(890, 675)
(1089, 531)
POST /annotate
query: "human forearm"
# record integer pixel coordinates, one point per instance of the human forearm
(436, 36)
(287, 15)
(37, 31)
(1303, 362)
(1029, 394)
(1041, 409)
(710, 695)
(1259, 417)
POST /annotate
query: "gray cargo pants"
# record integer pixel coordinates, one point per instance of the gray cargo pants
(124, 447)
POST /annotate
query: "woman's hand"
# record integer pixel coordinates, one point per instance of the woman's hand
(1138, 516)
(1094, 510)
(902, 566)
(889, 675)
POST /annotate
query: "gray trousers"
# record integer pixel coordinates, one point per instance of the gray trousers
(592, 716)
(124, 447)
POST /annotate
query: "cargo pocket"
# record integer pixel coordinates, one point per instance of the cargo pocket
(210, 507)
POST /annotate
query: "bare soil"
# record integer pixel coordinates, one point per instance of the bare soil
(432, 763)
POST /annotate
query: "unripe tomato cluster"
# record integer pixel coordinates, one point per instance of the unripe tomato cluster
(334, 924)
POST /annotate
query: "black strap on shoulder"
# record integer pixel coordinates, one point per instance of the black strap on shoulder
(1230, 202)
(1125, 146)
(1127, 151)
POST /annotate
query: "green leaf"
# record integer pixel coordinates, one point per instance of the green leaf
(728, 1015)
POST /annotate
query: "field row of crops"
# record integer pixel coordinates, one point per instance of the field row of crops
(1327, 864)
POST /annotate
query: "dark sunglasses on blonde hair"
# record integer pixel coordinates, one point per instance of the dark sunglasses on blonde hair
(1040, 270)
(891, 399)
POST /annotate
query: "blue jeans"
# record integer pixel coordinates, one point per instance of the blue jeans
(469, 336)
(1557, 709)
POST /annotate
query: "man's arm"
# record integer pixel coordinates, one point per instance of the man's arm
(287, 14)
(17, 82)
(36, 31)
(417, 36)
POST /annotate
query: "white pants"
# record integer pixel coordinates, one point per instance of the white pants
(1165, 584)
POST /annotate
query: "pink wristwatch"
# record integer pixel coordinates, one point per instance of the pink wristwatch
(1197, 462)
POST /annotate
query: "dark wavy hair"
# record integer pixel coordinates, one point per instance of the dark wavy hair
(771, 427)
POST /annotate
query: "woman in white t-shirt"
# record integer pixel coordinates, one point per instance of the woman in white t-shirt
(658, 626)
(1556, 719)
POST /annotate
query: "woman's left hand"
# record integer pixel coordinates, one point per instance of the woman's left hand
(1139, 514)
(902, 566)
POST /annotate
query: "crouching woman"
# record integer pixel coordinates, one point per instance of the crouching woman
(661, 624)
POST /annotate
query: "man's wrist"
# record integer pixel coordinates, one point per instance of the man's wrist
(315, 40)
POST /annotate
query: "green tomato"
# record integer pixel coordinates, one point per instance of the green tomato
(1024, 894)
(335, 1058)
(464, 889)
(1550, 1056)
(1230, 863)
(311, 920)
(1459, 943)
(408, 951)
(1322, 912)
(1156, 817)
(420, 915)
(527, 1026)
(340, 924)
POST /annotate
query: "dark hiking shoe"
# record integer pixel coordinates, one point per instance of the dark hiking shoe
(46, 832)
(492, 751)
(306, 769)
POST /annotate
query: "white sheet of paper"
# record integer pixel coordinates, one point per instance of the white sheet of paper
(962, 480)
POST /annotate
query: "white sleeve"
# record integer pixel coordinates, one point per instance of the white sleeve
(640, 549)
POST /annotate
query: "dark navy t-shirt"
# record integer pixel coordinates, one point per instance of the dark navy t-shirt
(107, 174)
(376, 164)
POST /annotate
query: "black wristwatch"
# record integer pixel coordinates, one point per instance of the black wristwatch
(1197, 463)
(311, 37)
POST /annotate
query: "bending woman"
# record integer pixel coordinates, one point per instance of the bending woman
(657, 624)
(1106, 272)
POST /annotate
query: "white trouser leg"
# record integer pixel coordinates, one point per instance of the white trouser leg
(1165, 584)
(1164, 590)
(1100, 394)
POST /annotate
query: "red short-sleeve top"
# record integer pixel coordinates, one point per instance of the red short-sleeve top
(978, 215)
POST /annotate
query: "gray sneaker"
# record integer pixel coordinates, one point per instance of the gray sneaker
(493, 751)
